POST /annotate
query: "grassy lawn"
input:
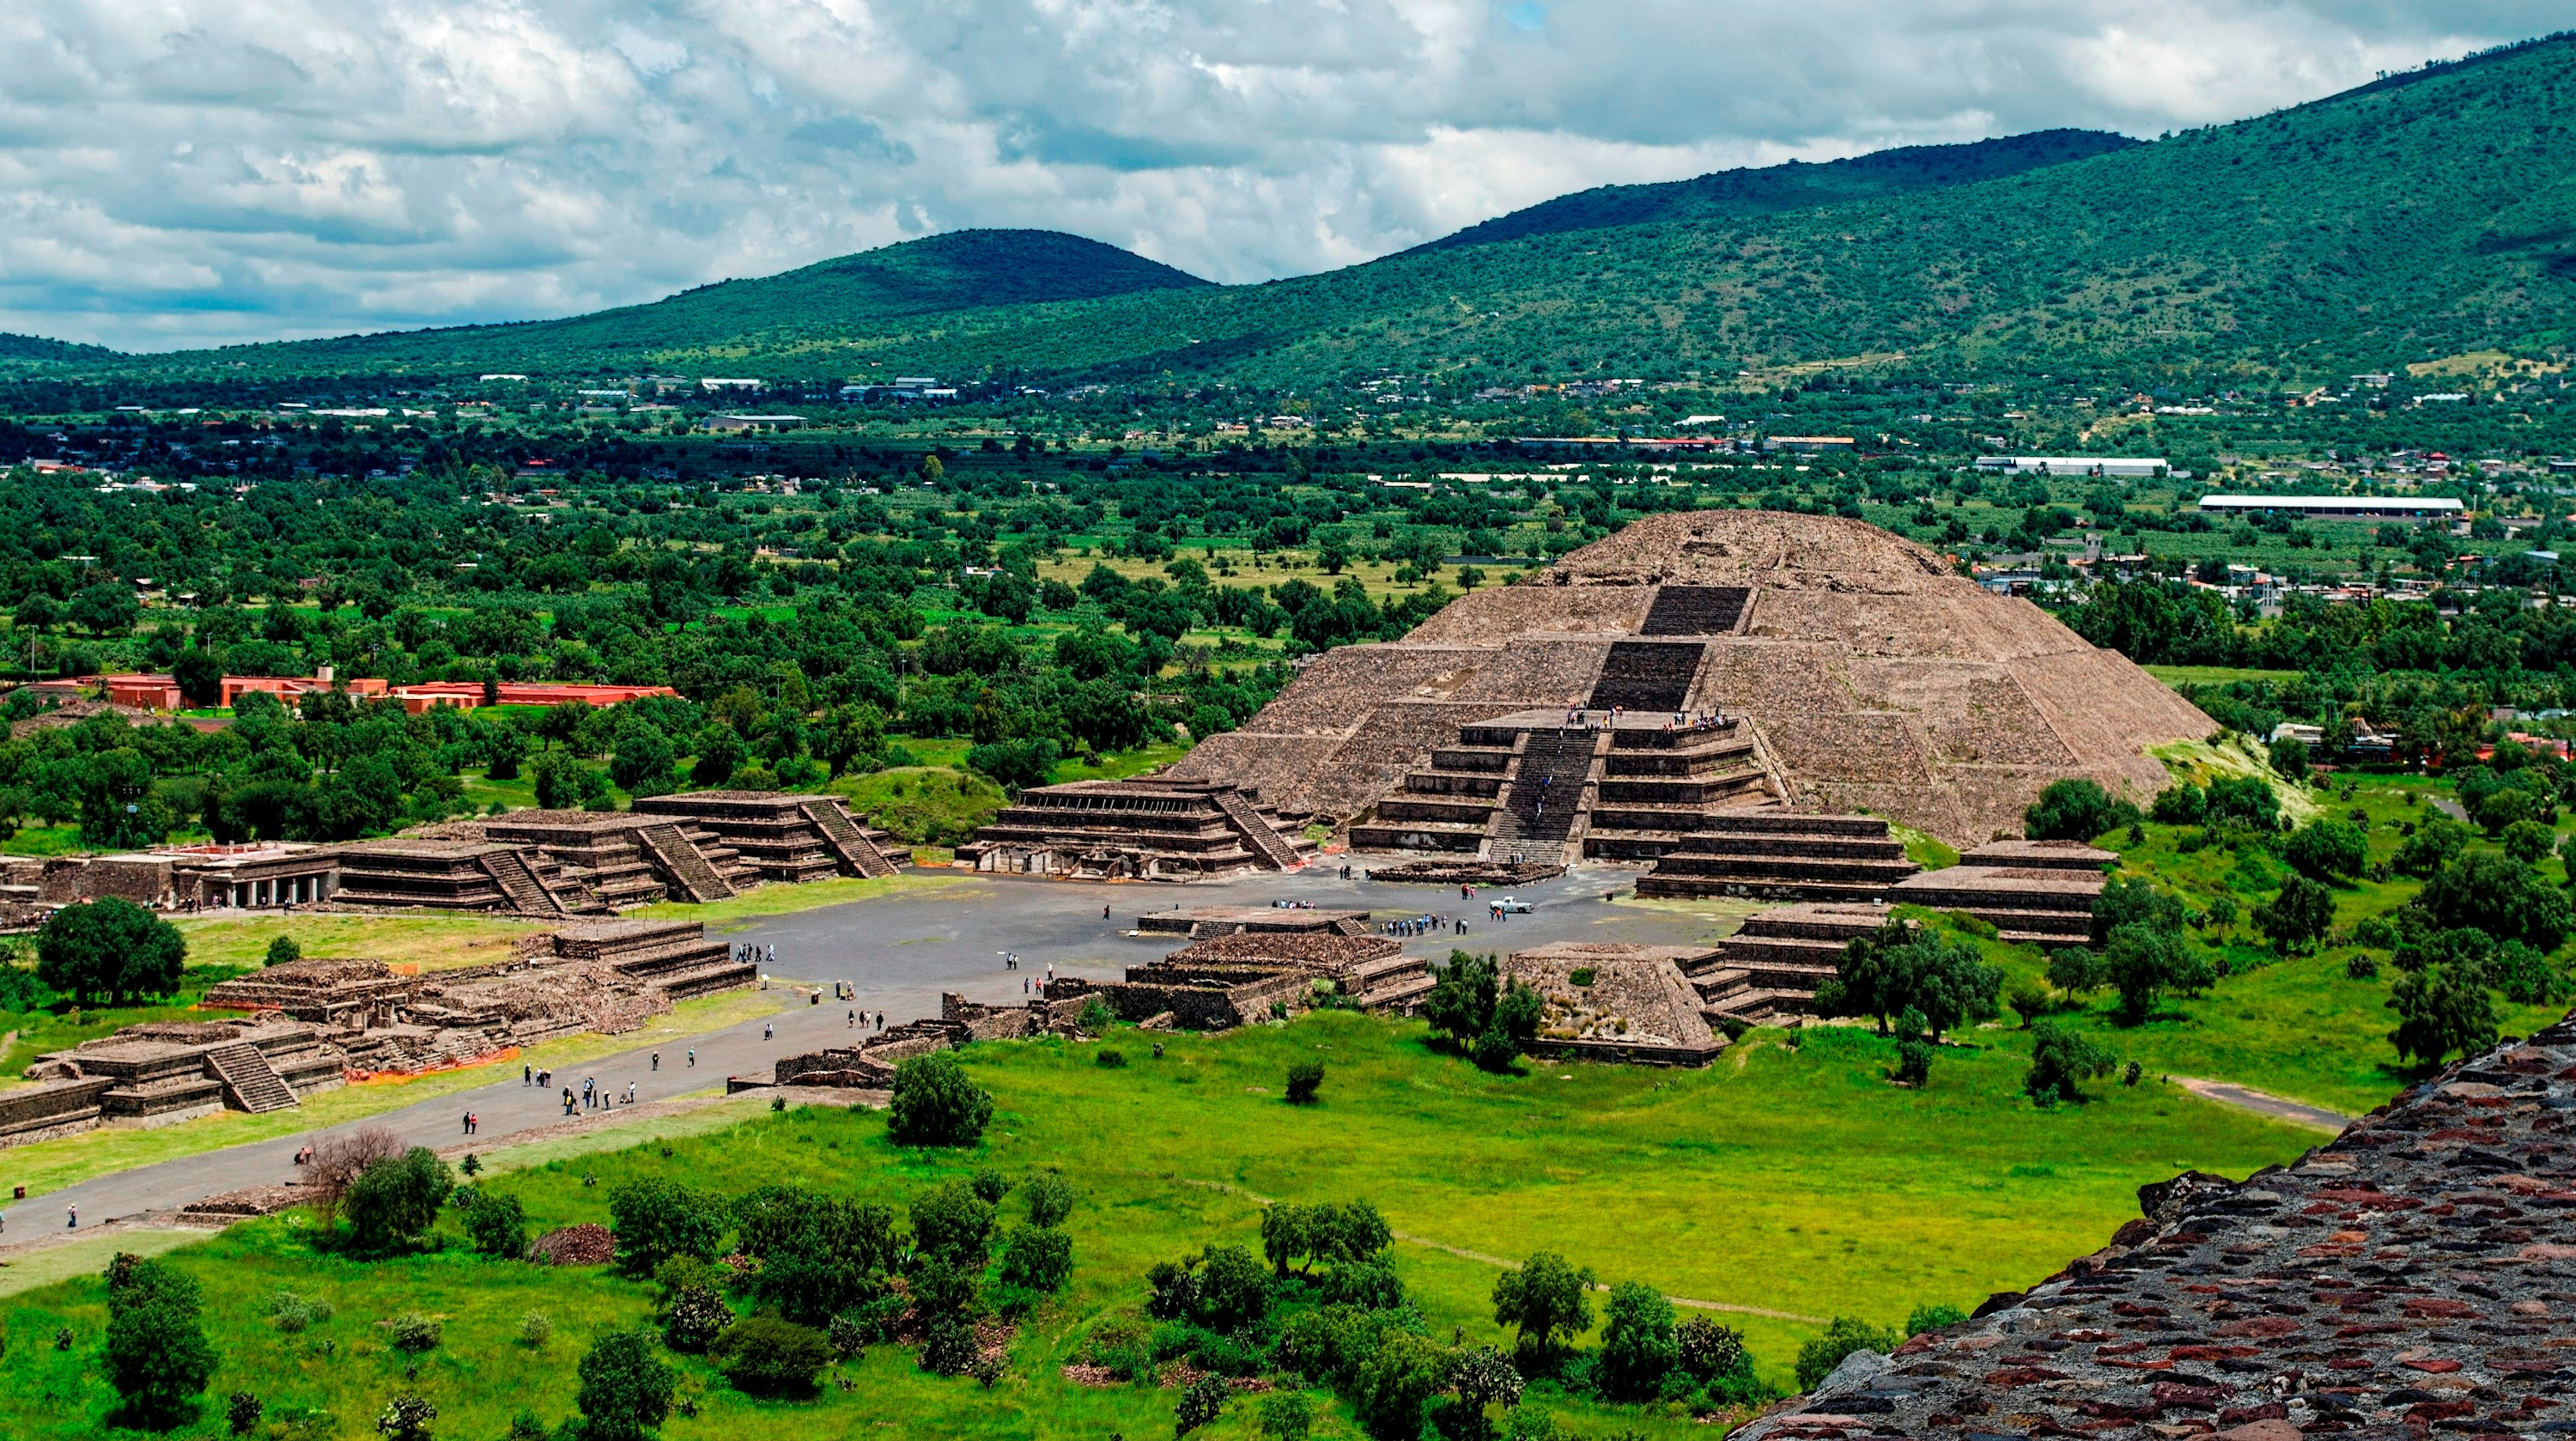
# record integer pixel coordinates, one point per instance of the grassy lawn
(1792, 1180)
(51, 1165)
(431, 942)
(925, 805)
(2178, 675)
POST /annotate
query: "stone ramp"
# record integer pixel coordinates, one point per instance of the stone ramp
(249, 1081)
(1647, 676)
(1697, 610)
(846, 840)
(1258, 837)
(528, 896)
(1545, 797)
(676, 857)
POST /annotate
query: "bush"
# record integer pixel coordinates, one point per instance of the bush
(2075, 810)
(950, 1222)
(1201, 1403)
(1932, 1316)
(2528, 841)
(283, 950)
(2058, 1059)
(1395, 1383)
(1037, 1258)
(411, 1332)
(765, 1356)
(2328, 850)
(406, 1418)
(1050, 1198)
(948, 1346)
(291, 1313)
(656, 1220)
(395, 1201)
(693, 1317)
(497, 1224)
(2299, 917)
(242, 1411)
(1110, 1059)
(989, 1186)
(1843, 1335)
(2361, 967)
(1304, 1079)
(625, 1389)
(936, 1105)
(2290, 758)
(536, 1329)
(1286, 1416)
(157, 1356)
(1638, 1348)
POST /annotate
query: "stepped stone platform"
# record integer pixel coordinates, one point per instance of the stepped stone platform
(1200, 921)
(461, 875)
(1773, 854)
(1221, 982)
(1619, 1002)
(154, 1074)
(1770, 968)
(2415, 1276)
(773, 836)
(1464, 873)
(700, 847)
(1147, 828)
(1865, 673)
(2035, 891)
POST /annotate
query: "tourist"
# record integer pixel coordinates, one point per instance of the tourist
(630, 1093)
(657, 1060)
(854, 1016)
(765, 1031)
(527, 1075)
(567, 1100)
(71, 1218)
(1104, 913)
(469, 1123)
(693, 1057)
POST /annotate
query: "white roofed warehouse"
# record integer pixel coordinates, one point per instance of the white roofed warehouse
(2348, 507)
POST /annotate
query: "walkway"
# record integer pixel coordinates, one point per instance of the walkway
(2246, 1098)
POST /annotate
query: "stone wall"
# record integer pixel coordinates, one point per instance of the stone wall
(47, 1109)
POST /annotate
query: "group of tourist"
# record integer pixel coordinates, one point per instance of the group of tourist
(1423, 925)
(1713, 718)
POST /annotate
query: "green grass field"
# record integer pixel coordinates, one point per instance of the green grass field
(1788, 1180)
(2180, 675)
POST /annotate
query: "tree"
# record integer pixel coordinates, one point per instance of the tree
(157, 1355)
(936, 1105)
(2328, 850)
(2528, 841)
(1843, 1336)
(1482, 1376)
(2486, 891)
(2143, 961)
(643, 762)
(395, 1200)
(656, 1219)
(199, 674)
(110, 949)
(952, 1223)
(2298, 917)
(1396, 1383)
(2442, 1009)
(2290, 758)
(1638, 1348)
(1544, 1301)
(105, 610)
(625, 1389)
(1021, 763)
(2438, 840)
(717, 752)
(1461, 1002)
(1037, 1258)
(1901, 967)
(2134, 899)
(2075, 809)
(2058, 1059)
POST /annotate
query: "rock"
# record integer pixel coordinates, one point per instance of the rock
(1856, 1372)
(2268, 1429)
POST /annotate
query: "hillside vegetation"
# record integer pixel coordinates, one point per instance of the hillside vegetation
(1737, 194)
(2410, 219)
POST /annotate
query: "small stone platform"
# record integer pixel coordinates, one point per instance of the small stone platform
(1231, 920)
(1615, 1002)
(1140, 829)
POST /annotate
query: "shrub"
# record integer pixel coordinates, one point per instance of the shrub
(1714, 1356)
(1050, 1198)
(157, 1355)
(1201, 1403)
(497, 1224)
(948, 1346)
(849, 1336)
(406, 1418)
(765, 1356)
(2362, 966)
(395, 1200)
(1037, 1258)
(990, 1186)
(625, 1389)
(411, 1332)
(242, 1411)
(1286, 1416)
(1914, 1061)
(283, 950)
(2075, 810)
(1843, 1335)
(292, 1313)
(2374, 931)
(936, 1105)
(950, 1222)
(656, 1220)
(1096, 1017)
(2328, 850)
(2058, 1059)
(693, 1317)
(1110, 1059)
(1304, 1079)
(1932, 1316)
(536, 1328)
(1394, 1384)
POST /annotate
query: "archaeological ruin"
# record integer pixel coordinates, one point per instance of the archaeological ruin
(1741, 700)
(1617, 1002)
(1145, 829)
(309, 1025)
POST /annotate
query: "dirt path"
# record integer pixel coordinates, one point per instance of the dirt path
(2246, 1098)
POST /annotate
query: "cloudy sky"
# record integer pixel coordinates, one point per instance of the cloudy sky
(186, 172)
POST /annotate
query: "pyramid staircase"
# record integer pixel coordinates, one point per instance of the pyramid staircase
(845, 840)
(1771, 967)
(1546, 797)
(249, 1081)
(1449, 805)
(528, 895)
(677, 857)
(1658, 786)
(1646, 676)
(1697, 610)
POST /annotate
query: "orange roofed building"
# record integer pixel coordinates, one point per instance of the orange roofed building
(160, 692)
(465, 695)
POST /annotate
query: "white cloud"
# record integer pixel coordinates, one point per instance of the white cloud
(185, 172)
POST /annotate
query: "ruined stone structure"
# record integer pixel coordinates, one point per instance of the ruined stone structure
(1220, 982)
(1855, 672)
(1199, 922)
(1144, 829)
(2415, 1276)
(169, 1071)
(461, 875)
(773, 837)
(1614, 1002)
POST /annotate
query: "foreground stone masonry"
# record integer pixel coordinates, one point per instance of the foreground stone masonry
(2417, 1275)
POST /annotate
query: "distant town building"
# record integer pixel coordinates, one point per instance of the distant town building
(2102, 465)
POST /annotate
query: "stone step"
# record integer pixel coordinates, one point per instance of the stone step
(249, 1081)
(844, 839)
(1683, 861)
(677, 857)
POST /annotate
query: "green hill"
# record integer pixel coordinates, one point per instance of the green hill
(2425, 215)
(1736, 194)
